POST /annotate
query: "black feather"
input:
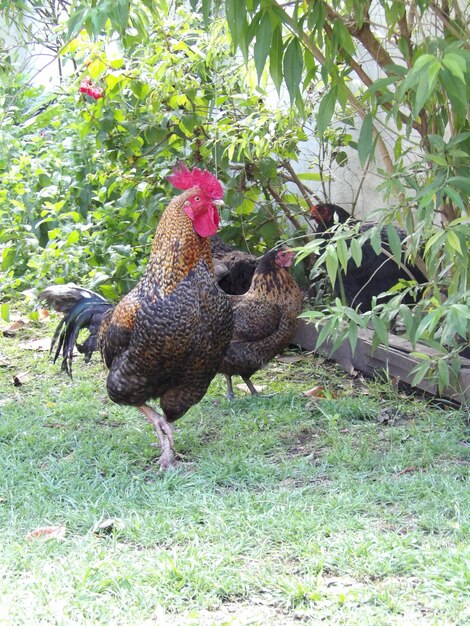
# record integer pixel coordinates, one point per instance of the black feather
(85, 313)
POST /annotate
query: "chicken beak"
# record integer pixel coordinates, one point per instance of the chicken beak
(218, 203)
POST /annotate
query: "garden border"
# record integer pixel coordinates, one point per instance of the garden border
(396, 359)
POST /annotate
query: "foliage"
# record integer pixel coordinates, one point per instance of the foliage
(99, 166)
(412, 95)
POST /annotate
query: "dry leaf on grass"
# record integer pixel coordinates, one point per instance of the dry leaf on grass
(47, 532)
(407, 470)
(14, 327)
(21, 378)
(5, 362)
(292, 358)
(107, 526)
(43, 314)
(40, 345)
(244, 388)
(315, 392)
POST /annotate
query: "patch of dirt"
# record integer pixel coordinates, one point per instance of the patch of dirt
(298, 483)
(303, 443)
(228, 614)
(392, 417)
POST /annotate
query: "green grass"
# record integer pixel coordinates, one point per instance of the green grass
(286, 509)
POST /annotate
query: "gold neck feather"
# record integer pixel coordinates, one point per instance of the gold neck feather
(176, 248)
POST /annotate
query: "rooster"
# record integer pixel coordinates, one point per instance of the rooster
(377, 273)
(265, 318)
(167, 337)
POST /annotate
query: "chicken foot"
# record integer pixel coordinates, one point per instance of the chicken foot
(248, 383)
(164, 432)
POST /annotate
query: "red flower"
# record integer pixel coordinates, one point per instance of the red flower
(87, 87)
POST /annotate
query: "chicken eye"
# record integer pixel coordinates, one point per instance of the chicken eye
(197, 198)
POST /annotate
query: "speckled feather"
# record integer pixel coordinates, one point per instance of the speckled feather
(167, 337)
(265, 319)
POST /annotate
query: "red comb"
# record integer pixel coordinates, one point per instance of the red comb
(182, 178)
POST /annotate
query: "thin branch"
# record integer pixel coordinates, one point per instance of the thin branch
(354, 102)
(292, 219)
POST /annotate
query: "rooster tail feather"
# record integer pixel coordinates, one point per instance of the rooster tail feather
(87, 312)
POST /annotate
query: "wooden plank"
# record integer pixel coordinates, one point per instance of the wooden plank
(396, 360)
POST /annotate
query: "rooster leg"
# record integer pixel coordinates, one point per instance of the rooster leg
(250, 385)
(165, 435)
(230, 394)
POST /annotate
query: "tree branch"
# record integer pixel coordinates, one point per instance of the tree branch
(354, 102)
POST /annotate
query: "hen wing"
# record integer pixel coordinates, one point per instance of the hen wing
(255, 320)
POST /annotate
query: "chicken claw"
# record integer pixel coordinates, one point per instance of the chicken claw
(165, 435)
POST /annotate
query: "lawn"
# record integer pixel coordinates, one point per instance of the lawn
(348, 509)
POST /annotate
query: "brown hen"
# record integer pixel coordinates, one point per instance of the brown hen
(167, 337)
(266, 318)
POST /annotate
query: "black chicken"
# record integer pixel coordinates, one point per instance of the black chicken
(234, 269)
(377, 273)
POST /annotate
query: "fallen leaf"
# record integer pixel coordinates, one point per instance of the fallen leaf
(407, 470)
(43, 314)
(13, 328)
(243, 387)
(47, 532)
(106, 526)
(5, 362)
(40, 345)
(315, 392)
(21, 378)
(294, 358)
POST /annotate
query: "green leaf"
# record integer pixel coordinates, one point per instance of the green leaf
(394, 242)
(263, 43)
(454, 241)
(327, 330)
(96, 68)
(206, 12)
(73, 237)
(456, 65)
(420, 372)
(275, 58)
(376, 240)
(461, 182)
(326, 110)
(426, 86)
(456, 94)
(5, 311)
(331, 264)
(8, 258)
(462, 310)
(365, 145)
(235, 12)
(356, 251)
(310, 176)
(76, 22)
(380, 330)
(293, 66)
(342, 252)
(443, 371)
(352, 335)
